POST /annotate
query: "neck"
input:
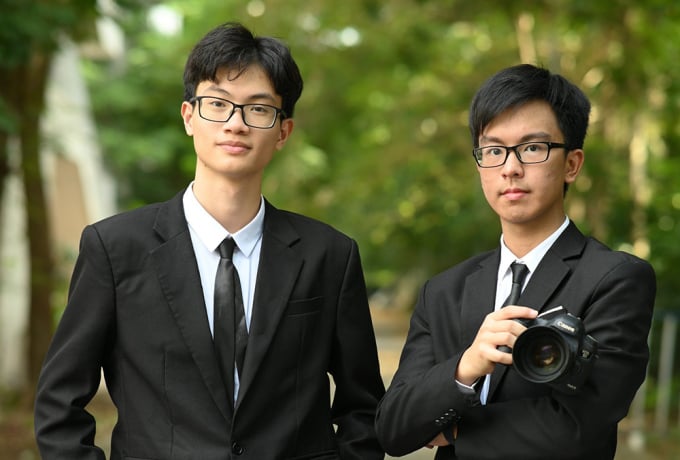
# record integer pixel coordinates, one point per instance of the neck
(521, 239)
(233, 206)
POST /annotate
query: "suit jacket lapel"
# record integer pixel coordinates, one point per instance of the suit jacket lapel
(479, 294)
(554, 269)
(180, 282)
(552, 272)
(278, 269)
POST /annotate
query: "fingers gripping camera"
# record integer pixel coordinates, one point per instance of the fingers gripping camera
(555, 350)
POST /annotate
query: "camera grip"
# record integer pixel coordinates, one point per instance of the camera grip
(505, 349)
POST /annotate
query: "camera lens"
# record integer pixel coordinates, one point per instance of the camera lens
(544, 356)
(540, 355)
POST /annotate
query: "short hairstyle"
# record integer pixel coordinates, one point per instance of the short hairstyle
(518, 85)
(232, 46)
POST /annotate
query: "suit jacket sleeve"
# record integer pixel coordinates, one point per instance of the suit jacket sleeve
(71, 371)
(355, 368)
(612, 292)
(423, 389)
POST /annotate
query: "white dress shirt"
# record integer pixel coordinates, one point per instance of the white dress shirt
(206, 235)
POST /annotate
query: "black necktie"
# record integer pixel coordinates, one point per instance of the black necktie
(519, 272)
(230, 331)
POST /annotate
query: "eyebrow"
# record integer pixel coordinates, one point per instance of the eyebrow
(540, 135)
(253, 97)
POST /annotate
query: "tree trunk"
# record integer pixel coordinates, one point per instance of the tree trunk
(4, 173)
(41, 261)
(9, 100)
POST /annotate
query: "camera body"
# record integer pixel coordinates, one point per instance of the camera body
(555, 349)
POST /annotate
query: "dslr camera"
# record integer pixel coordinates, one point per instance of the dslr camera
(555, 349)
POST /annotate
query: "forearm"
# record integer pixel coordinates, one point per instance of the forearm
(419, 405)
(63, 427)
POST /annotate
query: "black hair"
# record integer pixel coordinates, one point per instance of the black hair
(232, 46)
(518, 85)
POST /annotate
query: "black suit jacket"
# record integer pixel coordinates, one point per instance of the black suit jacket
(613, 292)
(136, 310)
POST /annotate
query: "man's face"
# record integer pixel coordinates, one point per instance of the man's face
(233, 150)
(528, 195)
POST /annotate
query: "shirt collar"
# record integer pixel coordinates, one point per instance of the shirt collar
(534, 257)
(211, 233)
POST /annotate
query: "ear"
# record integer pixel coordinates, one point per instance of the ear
(572, 165)
(286, 128)
(187, 111)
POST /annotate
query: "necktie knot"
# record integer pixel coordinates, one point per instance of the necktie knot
(519, 272)
(226, 248)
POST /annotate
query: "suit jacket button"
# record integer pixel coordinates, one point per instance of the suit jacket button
(236, 448)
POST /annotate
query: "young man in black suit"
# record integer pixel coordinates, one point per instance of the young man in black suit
(145, 301)
(455, 387)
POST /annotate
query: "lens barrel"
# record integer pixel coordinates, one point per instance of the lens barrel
(541, 354)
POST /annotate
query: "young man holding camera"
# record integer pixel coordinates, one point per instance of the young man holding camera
(455, 387)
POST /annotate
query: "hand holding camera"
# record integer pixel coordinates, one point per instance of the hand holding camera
(555, 350)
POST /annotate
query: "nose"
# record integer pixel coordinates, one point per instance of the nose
(512, 165)
(240, 121)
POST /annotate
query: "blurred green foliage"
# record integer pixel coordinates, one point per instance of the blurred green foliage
(381, 147)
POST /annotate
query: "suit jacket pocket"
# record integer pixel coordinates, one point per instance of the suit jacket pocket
(304, 306)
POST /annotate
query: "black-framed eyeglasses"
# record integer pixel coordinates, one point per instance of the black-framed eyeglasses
(221, 110)
(491, 156)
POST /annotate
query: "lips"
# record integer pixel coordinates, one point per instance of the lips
(233, 147)
(513, 194)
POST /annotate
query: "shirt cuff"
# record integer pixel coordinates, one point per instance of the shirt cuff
(467, 389)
